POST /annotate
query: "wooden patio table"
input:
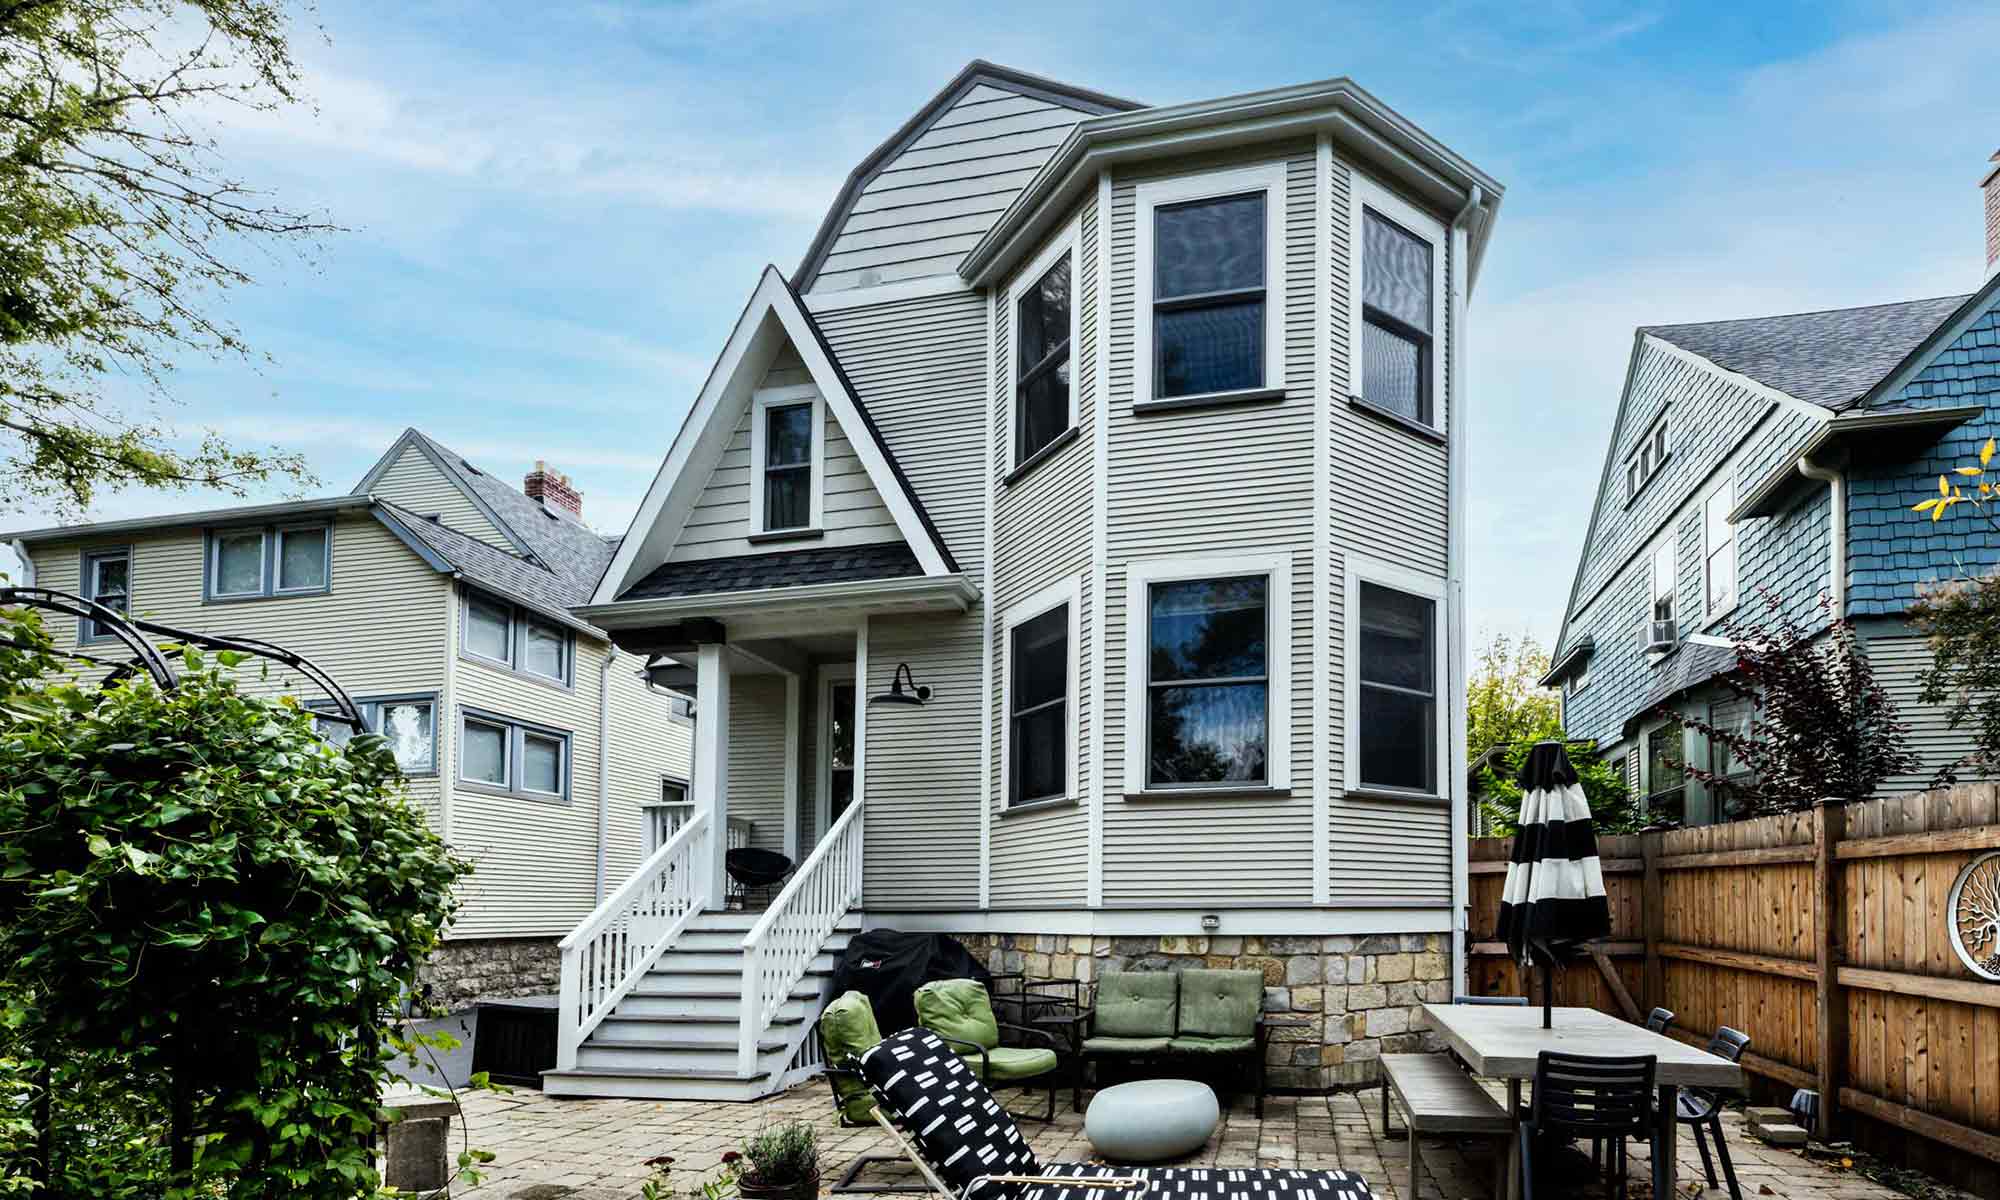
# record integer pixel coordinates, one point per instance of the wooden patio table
(1501, 1043)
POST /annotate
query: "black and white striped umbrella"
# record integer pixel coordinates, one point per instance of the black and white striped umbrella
(1555, 886)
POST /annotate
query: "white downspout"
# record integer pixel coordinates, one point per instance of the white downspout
(20, 549)
(604, 769)
(1837, 522)
(1454, 786)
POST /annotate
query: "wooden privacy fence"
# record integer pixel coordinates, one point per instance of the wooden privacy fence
(1824, 935)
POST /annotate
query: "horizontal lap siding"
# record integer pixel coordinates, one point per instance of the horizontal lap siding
(932, 202)
(757, 757)
(415, 482)
(921, 770)
(648, 744)
(1206, 481)
(1389, 499)
(1899, 660)
(1042, 535)
(853, 512)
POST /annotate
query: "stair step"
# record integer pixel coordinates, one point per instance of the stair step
(689, 1030)
(678, 959)
(710, 1008)
(642, 1083)
(598, 1043)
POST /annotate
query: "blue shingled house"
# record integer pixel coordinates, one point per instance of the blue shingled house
(1781, 453)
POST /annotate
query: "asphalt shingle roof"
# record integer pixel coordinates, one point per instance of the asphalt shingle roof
(782, 568)
(1691, 666)
(1828, 358)
(496, 570)
(566, 545)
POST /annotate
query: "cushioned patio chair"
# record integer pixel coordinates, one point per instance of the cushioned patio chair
(846, 1027)
(961, 1013)
(954, 1131)
(1197, 1016)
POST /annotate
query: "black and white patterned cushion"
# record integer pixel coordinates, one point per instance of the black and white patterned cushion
(964, 1135)
(931, 1095)
(1202, 1183)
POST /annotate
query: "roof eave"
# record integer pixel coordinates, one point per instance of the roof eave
(1585, 646)
(1772, 493)
(242, 514)
(955, 592)
(1356, 118)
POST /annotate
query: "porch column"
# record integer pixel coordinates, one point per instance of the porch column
(711, 768)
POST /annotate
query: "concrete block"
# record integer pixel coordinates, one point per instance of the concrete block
(1781, 1135)
(416, 1158)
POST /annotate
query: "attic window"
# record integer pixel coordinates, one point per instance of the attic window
(1646, 461)
(787, 460)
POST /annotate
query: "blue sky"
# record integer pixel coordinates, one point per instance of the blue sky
(554, 212)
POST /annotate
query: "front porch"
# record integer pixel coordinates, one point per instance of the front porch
(551, 1149)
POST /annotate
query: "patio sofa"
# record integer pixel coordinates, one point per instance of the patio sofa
(1199, 1015)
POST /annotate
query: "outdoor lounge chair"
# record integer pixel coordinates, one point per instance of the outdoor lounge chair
(961, 1013)
(958, 1136)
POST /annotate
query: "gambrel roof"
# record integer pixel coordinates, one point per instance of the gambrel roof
(1829, 358)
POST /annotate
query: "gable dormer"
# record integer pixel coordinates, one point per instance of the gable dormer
(414, 475)
(912, 208)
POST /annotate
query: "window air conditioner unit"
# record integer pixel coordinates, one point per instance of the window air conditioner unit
(1661, 636)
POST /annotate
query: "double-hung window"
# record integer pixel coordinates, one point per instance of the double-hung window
(1396, 719)
(1044, 333)
(497, 754)
(277, 560)
(1040, 674)
(1211, 286)
(1661, 626)
(1718, 550)
(1666, 771)
(1397, 306)
(787, 459)
(1207, 694)
(510, 636)
(107, 580)
(407, 723)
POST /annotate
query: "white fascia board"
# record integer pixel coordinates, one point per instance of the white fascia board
(1356, 119)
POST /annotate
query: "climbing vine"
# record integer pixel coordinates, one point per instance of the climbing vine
(208, 917)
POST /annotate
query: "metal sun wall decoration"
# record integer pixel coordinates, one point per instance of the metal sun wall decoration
(1974, 914)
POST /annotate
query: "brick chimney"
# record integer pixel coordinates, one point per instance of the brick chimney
(1991, 184)
(553, 489)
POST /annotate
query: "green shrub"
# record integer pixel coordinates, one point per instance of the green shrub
(207, 919)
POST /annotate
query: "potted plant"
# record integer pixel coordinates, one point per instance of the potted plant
(781, 1163)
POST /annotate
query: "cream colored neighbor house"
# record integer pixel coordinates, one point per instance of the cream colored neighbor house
(1068, 556)
(440, 598)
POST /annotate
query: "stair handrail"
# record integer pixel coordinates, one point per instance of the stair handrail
(780, 947)
(610, 950)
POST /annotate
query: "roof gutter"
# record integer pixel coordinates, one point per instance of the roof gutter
(1837, 518)
(952, 591)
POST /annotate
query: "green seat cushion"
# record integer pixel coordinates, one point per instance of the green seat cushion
(1212, 1045)
(1124, 1045)
(848, 1028)
(958, 1010)
(1220, 1004)
(1136, 1004)
(1006, 1063)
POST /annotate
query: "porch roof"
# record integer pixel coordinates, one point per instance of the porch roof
(776, 569)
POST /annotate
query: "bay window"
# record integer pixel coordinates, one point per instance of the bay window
(1397, 309)
(1038, 742)
(1396, 714)
(1044, 332)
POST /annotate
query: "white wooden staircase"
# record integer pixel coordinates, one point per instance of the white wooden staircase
(676, 1035)
(662, 1000)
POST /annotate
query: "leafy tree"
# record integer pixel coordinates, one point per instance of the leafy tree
(118, 225)
(208, 917)
(1961, 620)
(1820, 725)
(1506, 707)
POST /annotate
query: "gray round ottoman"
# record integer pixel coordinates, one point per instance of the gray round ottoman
(1150, 1120)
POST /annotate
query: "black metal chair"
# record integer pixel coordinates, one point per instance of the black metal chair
(756, 870)
(1576, 1097)
(1701, 1108)
(1659, 1019)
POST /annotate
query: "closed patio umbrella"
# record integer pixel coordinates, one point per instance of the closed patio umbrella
(1555, 886)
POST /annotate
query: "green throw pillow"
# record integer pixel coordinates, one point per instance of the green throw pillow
(960, 1010)
(1135, 1004)
(1220, 1004)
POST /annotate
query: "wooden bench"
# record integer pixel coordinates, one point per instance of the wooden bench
(1438, 1098)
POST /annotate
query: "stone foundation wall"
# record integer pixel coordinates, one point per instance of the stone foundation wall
(491, 968)
(1362, 997)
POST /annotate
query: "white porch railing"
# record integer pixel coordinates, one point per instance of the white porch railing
(788, 937)
(624, 936)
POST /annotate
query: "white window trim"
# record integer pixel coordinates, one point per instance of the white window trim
(1065, 245)
(1269, 178)
(761, 402)
(829, 677)
(1635, 458)
(1708, 615)
(278, 587)
(1068, 591)
(1651, 560)
(1361, 569)
(1363, 194)
(1276, 566)
(86, 628)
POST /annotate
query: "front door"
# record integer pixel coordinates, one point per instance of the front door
(837, 780)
